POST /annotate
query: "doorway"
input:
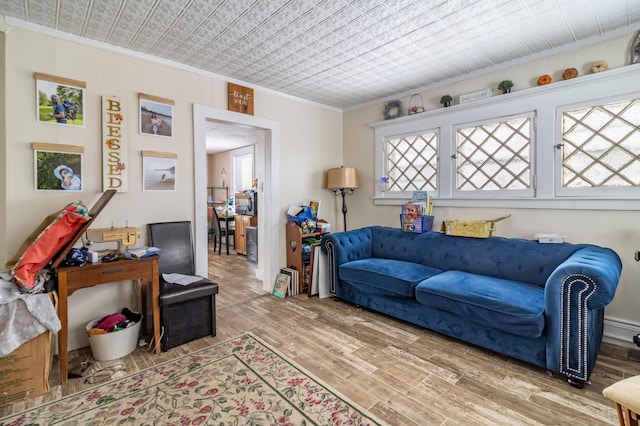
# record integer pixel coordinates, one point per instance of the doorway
(267, 173)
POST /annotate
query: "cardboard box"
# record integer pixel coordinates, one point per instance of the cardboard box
(24, 373)
(471, 228)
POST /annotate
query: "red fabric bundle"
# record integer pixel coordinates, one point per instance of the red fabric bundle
(48, 243)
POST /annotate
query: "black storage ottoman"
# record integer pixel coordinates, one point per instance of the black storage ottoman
(187, 312)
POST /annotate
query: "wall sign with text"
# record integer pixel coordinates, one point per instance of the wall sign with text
(240, 99)
(114, 145)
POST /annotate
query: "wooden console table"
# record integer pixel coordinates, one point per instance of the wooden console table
(72, 278)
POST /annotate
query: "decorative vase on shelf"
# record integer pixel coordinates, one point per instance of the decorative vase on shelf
(383, 182)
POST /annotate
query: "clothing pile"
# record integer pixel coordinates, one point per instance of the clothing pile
(116, 322)
(23, 316)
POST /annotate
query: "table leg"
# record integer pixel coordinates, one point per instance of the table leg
(226, 234)
(155, 297)
(63, 334)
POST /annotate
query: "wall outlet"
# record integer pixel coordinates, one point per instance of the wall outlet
(637, 256)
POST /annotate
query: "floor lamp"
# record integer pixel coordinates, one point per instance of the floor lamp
(342, 181)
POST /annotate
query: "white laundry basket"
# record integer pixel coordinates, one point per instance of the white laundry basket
(115, 344)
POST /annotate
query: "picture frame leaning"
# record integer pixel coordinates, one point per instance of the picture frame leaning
(60, 100)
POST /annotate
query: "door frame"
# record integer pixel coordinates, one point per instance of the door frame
(268, 175)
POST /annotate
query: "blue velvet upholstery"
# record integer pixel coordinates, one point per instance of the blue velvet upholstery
(540, 303)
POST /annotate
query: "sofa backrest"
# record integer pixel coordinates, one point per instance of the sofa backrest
(509, 258)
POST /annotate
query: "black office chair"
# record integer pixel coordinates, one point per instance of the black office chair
(187, 312)
(219, 232)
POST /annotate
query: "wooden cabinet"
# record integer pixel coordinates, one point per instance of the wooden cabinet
(240, 237)
(297, 257)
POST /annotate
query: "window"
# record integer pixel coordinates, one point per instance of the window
(242, 169)
(411, 162)
(494, 156)
(601, 146)
(570, 145)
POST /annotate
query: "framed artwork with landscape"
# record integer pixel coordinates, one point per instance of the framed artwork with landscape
(59, 100)
(156, 115)
(57, 167)
(159, 171)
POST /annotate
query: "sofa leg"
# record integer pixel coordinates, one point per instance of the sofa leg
(576, 383)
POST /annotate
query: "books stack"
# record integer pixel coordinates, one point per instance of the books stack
(286, 283)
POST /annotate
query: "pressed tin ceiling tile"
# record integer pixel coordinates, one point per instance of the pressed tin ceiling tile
(340, 52)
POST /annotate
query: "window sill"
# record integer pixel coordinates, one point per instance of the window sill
(529, 203)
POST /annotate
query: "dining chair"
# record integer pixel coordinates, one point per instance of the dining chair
(219, 232)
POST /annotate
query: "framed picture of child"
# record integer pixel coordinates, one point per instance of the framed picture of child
(57, 167)
(156, 115)
(59, 100)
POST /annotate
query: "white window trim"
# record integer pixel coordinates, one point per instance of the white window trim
(591, 192)
(544, 101)
(240, 152)
(407, 194)
(529, 192)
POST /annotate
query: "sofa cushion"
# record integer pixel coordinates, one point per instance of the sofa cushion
(506, 305)
(388, 276)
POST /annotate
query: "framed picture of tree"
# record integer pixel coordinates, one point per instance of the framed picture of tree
(59, 100)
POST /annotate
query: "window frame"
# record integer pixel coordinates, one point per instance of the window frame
(561, 191)
(546, 102)
(529, 192)
(407, 194)
(235, 154)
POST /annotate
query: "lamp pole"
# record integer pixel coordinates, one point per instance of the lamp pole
(342, 181)
(343, 192)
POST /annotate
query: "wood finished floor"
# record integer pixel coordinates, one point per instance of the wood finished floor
(403, 374)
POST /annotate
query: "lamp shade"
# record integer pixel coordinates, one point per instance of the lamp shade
(342, 177)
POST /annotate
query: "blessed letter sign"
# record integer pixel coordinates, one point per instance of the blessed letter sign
(114, 145)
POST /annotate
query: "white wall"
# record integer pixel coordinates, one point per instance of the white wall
(310, 143)
(618, 230)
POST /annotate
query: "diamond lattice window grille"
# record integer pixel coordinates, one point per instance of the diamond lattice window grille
(601, 146)
(411, 162)
(494, 156)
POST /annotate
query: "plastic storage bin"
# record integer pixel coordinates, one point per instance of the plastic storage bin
(115, 344)
(419, 224)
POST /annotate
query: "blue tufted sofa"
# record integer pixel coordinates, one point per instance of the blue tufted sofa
(540, 303)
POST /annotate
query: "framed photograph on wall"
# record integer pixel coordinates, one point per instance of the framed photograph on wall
(156, 115)
(159, 171)
(57, 167)
(59, 100)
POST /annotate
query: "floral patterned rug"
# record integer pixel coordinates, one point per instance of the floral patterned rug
(238, 382)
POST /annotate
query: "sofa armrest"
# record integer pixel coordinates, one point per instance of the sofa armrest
(343, 247)
(575, 296)
(348, 246)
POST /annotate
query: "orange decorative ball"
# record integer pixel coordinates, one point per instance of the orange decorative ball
(569, 73)
(544, 79)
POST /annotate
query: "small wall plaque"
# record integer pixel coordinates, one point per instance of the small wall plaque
(240, 99)
(476, 96)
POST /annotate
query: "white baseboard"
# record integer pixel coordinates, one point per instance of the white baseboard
(620, 332)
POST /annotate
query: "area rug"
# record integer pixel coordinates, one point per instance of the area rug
(238, 382)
